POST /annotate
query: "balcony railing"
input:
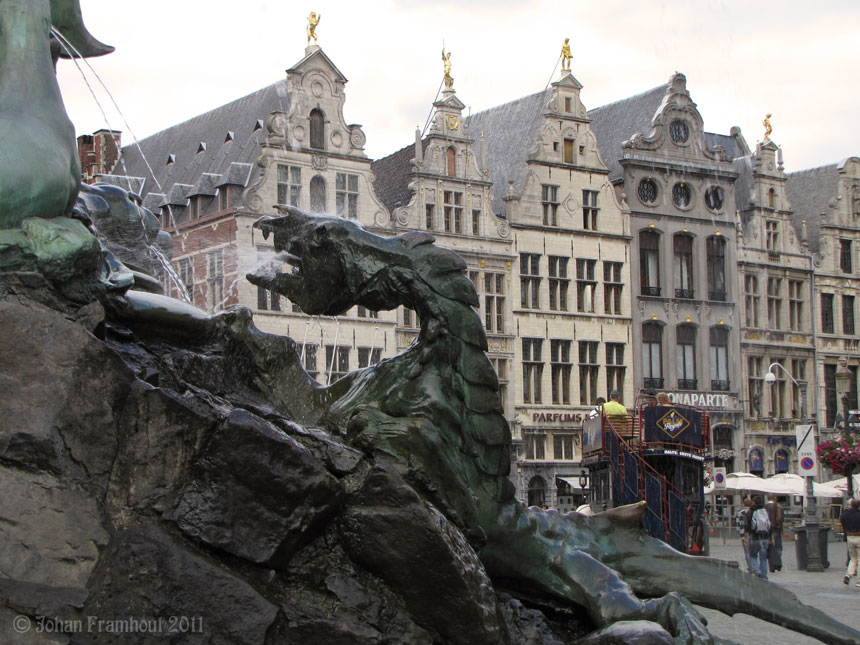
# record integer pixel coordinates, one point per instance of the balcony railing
(652, 383)
(650, 291)
(722, 386)
(687, 383)
(689, 294)
(717, 295)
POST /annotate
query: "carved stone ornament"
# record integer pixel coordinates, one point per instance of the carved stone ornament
(299, 133)
(276, 124)
(356, 136)
(336, 139)
(319, 162)
(379, 218)
(451, 122)
(401, 216)
(504, 229)
(570, 204)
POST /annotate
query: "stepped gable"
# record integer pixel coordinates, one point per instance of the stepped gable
(224, 141)
(809, 192)
(391, 176)
(615, 123)
(510, 134)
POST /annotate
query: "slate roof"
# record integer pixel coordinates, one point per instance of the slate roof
(743, 186)
(809, 193)
(615, 123)
(391, 176)
(232, 135)
(510, 134)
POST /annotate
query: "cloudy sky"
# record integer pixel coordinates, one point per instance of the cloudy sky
(175, 59)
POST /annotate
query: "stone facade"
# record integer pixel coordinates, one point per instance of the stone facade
(775, 280)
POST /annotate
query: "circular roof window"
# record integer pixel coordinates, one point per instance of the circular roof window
(647, 191)
(679, 131)
(681, 195)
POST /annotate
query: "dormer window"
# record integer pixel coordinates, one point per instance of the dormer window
(567, 104)
(317, 129)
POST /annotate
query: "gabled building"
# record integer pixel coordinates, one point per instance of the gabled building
(570, 302)
(211, 177)
(826, 209)
(775, 278)
(678, 183)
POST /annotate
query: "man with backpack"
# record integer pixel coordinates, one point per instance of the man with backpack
(758, 530)
(777, 521)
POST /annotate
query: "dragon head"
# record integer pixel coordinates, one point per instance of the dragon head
(335, 263)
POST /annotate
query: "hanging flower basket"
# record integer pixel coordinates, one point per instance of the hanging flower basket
(841, 455)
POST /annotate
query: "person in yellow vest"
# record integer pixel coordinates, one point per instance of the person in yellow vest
(614, 406)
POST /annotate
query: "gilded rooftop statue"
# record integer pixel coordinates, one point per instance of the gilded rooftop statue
(565, 55)
(313, 21)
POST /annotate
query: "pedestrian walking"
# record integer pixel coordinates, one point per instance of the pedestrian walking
(740, 523)
(777, 520)
(758, 532)
(850, 519)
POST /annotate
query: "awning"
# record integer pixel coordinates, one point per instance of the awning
(782, 484)
(573, 482)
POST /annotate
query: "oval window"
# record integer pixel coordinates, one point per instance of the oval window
(679, 131)
(714, 198)
(681, 195)
(647, 191)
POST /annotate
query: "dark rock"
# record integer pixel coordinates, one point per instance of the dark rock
(255, 492)
(146, 574)
(629, 632)
(390, 530)
(524, 625)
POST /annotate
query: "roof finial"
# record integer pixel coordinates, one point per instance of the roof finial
(446, 61)
(313, 21)
(767, 128)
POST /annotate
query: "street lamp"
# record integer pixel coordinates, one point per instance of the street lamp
(810, 522)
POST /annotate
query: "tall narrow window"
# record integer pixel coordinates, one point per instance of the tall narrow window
(186, 277)
(771, 235)
(318, 194)
(410, 319)
(649, 263)
(612, 287)
(615, 367)
(771, 198)
(317, 129)
(430, 216)
(568, 151)
(589, 371)
(346, 195)
(774, 303)
(751, 301)
(368, 356)
(848, 315)
(530, 280)
(798, 370)
(652, 356)
(532, 370)
(795, 304)
(309, 352)
(589, 210)
(562, 446)
(560, 364)
(289, 184)
(501, 367)
(453, 211)
(845, 263)
(585, 285)
(683, 245)
(223, 198)
(216, 279)
(494, 302)
(549, 202)
(827, 326)
(364, 312)
(685, 353)
(716, 268)
(755, 384)
(558, 283)
(336, 362)
(778, 407)
(451, 165)
(476, 221)
(719, 358)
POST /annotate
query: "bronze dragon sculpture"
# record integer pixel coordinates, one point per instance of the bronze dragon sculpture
(435, 407)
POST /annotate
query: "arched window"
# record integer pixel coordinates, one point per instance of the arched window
(756, 462)
(716, 268)
(649, 263)
(317, 129)
(685, 353)
(683, 246)
(771, 198)
(452, 162)
(317, 194)
(537, 491)
(780, 461)
(652, 356)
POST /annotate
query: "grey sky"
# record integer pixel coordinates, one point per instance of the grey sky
(795, 59)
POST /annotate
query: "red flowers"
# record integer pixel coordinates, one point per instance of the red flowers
(841, 455)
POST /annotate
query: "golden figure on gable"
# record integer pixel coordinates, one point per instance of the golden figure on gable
(446, 61)
(767, 128)
(566, 55)
(313, 21)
